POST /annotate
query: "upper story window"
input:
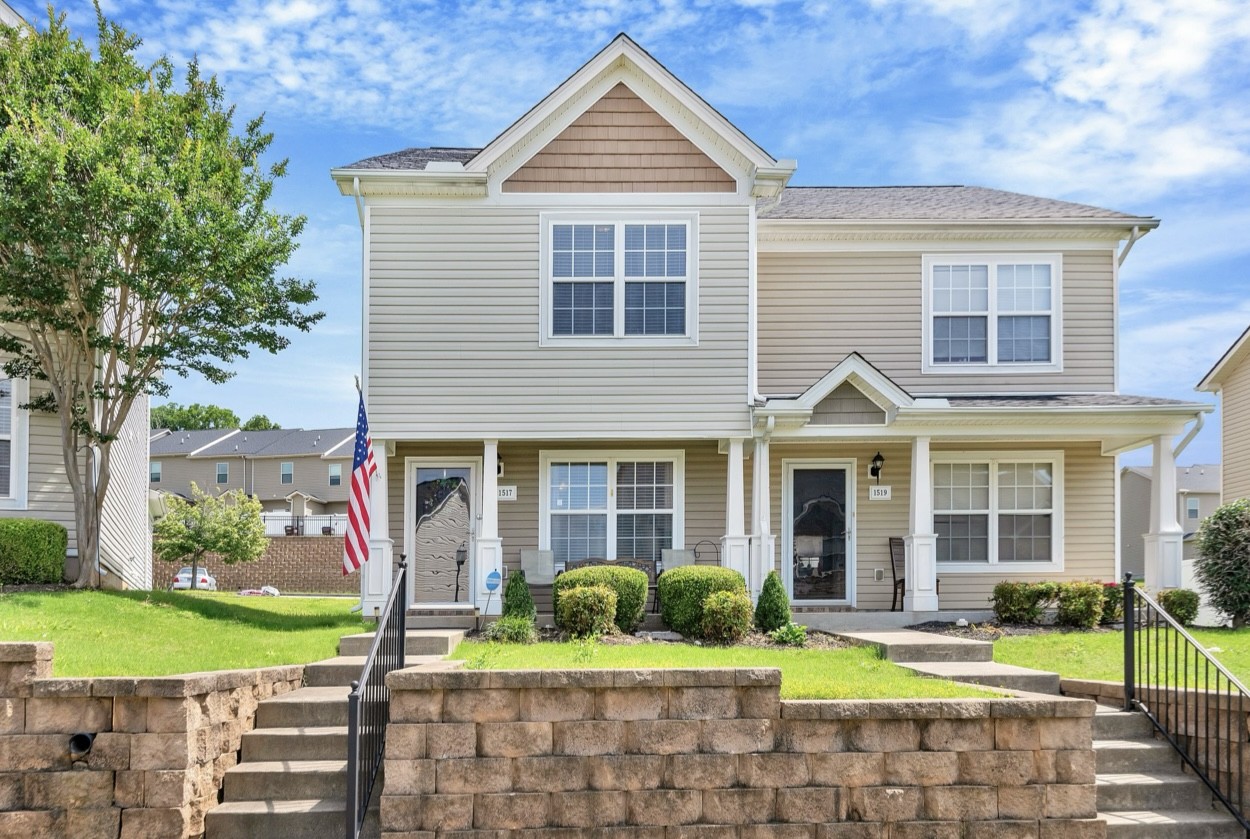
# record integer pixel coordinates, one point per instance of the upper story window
(621, 277)
(336, 474)
(983, 312)
(1191, 508)
(154, 471)
(223, 473)
(286, 472)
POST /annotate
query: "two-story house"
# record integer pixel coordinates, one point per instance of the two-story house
(616, 330)
(1229, 379)
(1197, 496)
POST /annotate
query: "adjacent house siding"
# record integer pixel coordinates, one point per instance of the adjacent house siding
(816, 308)
(453, 348)
(311, 475)
(1235, 416)
(125, 531)
(48, 494)
(620, 144)
(1134, 521)
(179, 471)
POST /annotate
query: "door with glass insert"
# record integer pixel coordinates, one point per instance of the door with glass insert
(819, 525)
(442, 536)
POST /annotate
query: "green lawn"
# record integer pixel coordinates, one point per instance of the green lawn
(852, 673)
(99, 633)
(1100, 655)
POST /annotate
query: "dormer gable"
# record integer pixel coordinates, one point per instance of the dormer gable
(854, 392)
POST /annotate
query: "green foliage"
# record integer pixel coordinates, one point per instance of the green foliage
(1080, 604)
(1223, 566)
(726, 617)
(259, 422)
(630, 586)
(31, 552)
(517, 600)
(586, 611)
(1112, 603)
(134, 229)
(193, 417)
(683, 590)
(772, 611)
(512, 629)
(1180, 603)
(1022, 602)
(792, 635)
(227, 525)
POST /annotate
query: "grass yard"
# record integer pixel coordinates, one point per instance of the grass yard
(1100, 655)
(850, 673)
(99, 633)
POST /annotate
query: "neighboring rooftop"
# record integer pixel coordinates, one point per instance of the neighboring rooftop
(1201, 477)
(233, 442)
(244, 442)
(925, 203)
(312, 441)
(185, 442)
(1068, 400)
(414, 159)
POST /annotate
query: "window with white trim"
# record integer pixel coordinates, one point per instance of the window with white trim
(998, 510)
(336, 474)
(612, 506)
(1191, 508)
(286, 472)
(223, 473)
(154, 471)
(986, 311)
(620, 277)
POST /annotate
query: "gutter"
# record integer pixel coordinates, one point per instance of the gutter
(1199, 421)
(1128, 246)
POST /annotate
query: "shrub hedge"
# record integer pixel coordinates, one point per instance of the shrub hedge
(512, 629)
(1112, 602)
(726, 617)
(1180, 603)
(1080, 604)
(517, 600)
(586, 611)
(1223, 566)
(629, 585)
(683, 589)
(32, 552)
(1022, 602)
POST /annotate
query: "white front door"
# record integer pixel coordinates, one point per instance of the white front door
(441, 504)
(818, 516)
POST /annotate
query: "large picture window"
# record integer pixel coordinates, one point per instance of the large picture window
(999, 510)
(986, 311)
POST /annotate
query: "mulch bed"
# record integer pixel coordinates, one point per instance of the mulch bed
(993, 630)
(36, 588)
(758, 640)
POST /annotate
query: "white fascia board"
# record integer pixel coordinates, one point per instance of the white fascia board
(870, 381)
(1214, 379)
(409, 182)
(307, 495)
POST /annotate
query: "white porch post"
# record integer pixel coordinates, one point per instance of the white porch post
(735, 550)
(763, 543)
(1164, 541)
(376, 574)
(489, 545)
(921, 541)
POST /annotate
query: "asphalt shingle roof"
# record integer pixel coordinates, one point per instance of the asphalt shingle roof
(1067, 400)
(925, 203)
(312, 441)
(245, 442)
(414, 159)
(185, 442)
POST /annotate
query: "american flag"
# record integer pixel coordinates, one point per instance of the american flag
(356, 542)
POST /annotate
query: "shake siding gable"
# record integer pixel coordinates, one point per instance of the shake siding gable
(1235, 416)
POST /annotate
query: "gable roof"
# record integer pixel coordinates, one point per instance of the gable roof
(414, 159)
(186, 442)
(242, 443)
(1227, 365)
(315, 441)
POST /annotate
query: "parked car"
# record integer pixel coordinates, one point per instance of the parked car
(182, 580)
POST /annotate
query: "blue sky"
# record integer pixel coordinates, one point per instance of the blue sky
(1139, 106)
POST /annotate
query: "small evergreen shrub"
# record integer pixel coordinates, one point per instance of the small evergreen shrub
(792, 635)
(1112, 603)
(1080, 604)
(512, 629)
(629, 584)
(772, 612)
(726, 617)
(1180, 603)
(1223, 566)
(586, 611)
(32, 552)
(1021, 602)
(683, 590)
(517, 600)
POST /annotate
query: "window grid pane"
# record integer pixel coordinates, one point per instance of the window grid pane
(577, 536)
(655, 308)
(1024, 288)
(583, 250)
(959, 340)
(655, 250)
(1022, 496)
(1020, 299)
(1024, 338)
(581, 309)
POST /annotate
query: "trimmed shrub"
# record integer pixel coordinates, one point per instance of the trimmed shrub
(773, 609)
(683, 590)
(1112, 603)
(792, 634)
(1080, 604)
(32, 552)
(517, 600)
(512, 629)
(586, 611)
(1022, 602)
(726, 617)
(1223, 566)
(1180, 603)
(629, 585)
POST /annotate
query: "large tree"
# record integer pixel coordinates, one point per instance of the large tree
(135, 240)
(193, 417)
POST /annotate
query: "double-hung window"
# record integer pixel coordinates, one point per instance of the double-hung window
(618, 506)
(223, 473)
(619, 278)
(286, 472)
(992, 311)
(154, 471)
(336, 474)
(1002, 510)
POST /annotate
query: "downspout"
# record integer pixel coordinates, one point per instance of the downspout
(1132, 240)
(753, 394)
(360, 205)
(1199, 421)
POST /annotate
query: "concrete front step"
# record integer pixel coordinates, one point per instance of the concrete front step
(325, 743)
(1164, 824)
(315, 818)
(450, 621)
(280, 780)
(906, 645)
(1110, 724)
(1138, 755)
(990, 674)
(417, 642)
(1150, 790)
(313, 706)
(344, 670)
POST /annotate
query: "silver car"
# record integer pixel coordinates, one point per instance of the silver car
(204, 582)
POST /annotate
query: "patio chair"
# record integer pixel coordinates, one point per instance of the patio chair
(898, 565)
(539, 567)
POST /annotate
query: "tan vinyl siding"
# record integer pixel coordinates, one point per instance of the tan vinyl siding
(1235, 417)
(620, 144)
(311, 475)
(847, 406)
(1134, 522)
(816, 308)
(178, 472)
(48, 494)
(125, 533)
(454, 297)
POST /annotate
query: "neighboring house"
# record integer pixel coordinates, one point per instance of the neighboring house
(621, 332)
(8, 17)
(1229, 379)
(1197, 496)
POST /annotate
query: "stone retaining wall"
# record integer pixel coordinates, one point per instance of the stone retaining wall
(664, 754)
(161, 747)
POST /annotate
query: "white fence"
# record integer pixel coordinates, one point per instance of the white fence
(285, 524)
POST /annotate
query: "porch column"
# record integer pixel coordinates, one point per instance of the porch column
(377, 573)
(763, 543)
(1164, 541)
(921, 541)
(735, 550)
(489, 545)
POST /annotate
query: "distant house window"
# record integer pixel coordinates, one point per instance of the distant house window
(223, 473)
(620, 278)
(1191, 508)
(154, 471)
(336, 474)
(287, 472)
(986, 311)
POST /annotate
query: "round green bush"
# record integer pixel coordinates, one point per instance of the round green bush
(586, 611)
(726, 617)
(1112, 603)
(1080, 604)
(32, 552)
(517, 600)
(1022, 602)
(1223, 566)
(683, 589)
(512, 629)
(629, 584)
(773, 609)
(1180, 603)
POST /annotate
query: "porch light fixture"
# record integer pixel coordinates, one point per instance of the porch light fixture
(875, 470)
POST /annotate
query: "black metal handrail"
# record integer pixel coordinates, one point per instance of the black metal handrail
(369, 705)
(1192, 699)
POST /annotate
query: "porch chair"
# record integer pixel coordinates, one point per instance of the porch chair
(898, 565)
(539, 567)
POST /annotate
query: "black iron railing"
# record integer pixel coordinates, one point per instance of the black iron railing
(1194, 702)
(369, 705)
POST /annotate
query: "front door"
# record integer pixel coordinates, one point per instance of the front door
(440, 537)
(819, 512)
